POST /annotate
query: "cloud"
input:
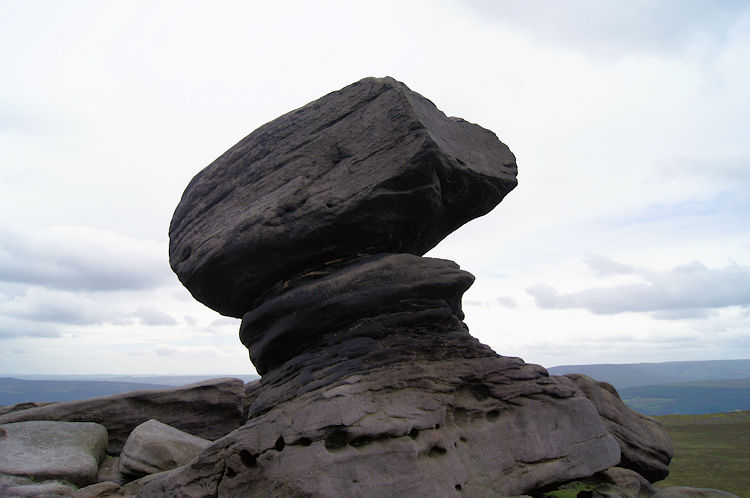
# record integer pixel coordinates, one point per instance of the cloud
(82, 258)
(676, 293)
(149, 315)
(507, 302)
(603, 266)
(10, 328)
(187, 351)
(617, 28)
(43, 305)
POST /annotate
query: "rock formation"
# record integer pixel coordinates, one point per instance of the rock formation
(62, 450)
(207, 409)
(312, 230)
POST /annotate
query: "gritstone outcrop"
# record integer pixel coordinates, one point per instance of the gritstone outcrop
(312, 229)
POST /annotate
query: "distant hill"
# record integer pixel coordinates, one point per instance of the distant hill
(686, 398)
(649, 374)
(14, 391)
(74, 387)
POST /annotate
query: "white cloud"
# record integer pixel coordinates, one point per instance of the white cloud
(681, 292)
(81, 258)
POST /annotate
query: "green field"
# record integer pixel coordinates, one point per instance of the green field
(711, 451)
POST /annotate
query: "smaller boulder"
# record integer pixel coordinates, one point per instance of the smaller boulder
(155, 447)
(69, 451)
(644, 443)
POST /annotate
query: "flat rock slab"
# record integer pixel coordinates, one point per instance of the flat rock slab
(69, 451)
(155, 447)
(208, 409)
(371, 168)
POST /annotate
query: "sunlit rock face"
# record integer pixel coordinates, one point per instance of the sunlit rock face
(312, 230)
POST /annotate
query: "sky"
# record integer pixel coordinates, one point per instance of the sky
(625, 241)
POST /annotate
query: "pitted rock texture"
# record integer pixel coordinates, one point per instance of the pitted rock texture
(209, 409)
(645, 444)
(372, 168)
(486, 426)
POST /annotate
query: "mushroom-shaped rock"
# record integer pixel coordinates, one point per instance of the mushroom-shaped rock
(372, 168)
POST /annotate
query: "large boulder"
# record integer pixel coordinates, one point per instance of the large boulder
(645, 445)
(208, 409)
(425, 426)
(155, 447)
(69, 451)
(371, 168)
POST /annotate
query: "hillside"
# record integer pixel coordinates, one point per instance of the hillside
(711, 451)
(689, 398)
(650, 374)
(14, 391)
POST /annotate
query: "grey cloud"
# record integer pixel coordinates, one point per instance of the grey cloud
(680, 291)
(602, 265)
(151, 316)
(616, 28)
(12, 328)
(42, 305)
(82, 258)
(508, 302)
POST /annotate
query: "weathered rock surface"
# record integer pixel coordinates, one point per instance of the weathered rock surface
(208, 409)
(109, 470)
(407, 289)
(106, 488)
(23, 406)
(39, 490)
(645, 444)
(53, 450)
(155, 447)
(484, 426)
(372, 168)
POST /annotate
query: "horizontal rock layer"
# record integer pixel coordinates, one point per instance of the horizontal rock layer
(368, 299)
(372, 168)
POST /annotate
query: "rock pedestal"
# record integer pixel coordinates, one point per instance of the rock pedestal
(312, 230)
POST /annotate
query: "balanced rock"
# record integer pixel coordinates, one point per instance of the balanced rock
(372, 168)
(155, 447)
(208, 409)
(68, 451)
(645, 444)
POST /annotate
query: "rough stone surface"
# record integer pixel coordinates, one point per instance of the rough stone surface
(372, 168)
(252, 390)
(207, 409)
(683, 492)
(645, 445)
(53, 450)
(102, 489)
(23, 406)
(485, 426)
(109, 470)
(155, 447)
(407, 289)
(40, 490)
